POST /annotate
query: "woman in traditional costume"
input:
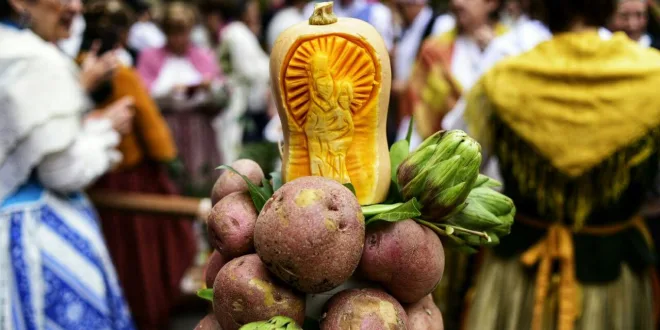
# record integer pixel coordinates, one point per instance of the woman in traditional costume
(151, 252)
(418, 22)
(187, 83)
(449, 64)
(55, 269)
(248, 68)
(575, 125)
(180, 74)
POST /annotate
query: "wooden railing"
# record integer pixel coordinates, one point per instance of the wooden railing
(150, 203)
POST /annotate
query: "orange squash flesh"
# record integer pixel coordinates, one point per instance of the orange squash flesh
(331, 79)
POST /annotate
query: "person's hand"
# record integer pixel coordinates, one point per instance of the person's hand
(95, 69)
(429, 54)
(484, 35)
(121, 113)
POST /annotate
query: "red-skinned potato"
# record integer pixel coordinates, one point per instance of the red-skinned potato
(404, 257)
(231, 225)
(311, 234)
(245, 292)
(230, 182)
(424, 315)
(208, 323)
(363, 309)
(215, 263)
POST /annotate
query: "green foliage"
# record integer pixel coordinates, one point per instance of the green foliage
(259, 195)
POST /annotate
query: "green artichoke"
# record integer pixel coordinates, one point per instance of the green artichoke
(276, 323)
(441, 173)
(488, 211)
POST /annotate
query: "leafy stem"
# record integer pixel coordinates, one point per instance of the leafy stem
(472, 232)
(444, 232)
(447, 230)
(206, 294)
(372, 210)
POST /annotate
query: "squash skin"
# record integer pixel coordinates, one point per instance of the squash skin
(364, 143)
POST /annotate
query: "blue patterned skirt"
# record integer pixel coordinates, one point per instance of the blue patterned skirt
(55, 271)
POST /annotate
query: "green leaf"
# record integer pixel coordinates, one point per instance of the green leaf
(260, 195)
(458, 244)
(254, 325)
(277, 322)
(409, 210)
(394, 195)
(277, 180)
(282, 321)
(350, 187)
(410, 129)
(266, 187)
(494, 240)
(206, 294)
(398, 154)
(293, 326)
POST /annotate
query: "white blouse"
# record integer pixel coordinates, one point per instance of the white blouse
(283, 20)
(250, 65)
(144, 35)
(41, 106)
(407, 48)
(179, 71)
(175, 71)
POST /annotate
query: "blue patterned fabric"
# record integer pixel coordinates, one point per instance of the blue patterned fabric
(55, 272)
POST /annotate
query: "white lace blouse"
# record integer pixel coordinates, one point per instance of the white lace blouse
(41, 130)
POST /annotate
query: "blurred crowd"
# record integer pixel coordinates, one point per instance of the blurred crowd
(148, 97)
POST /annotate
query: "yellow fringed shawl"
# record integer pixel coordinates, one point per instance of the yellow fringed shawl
(576, 115)
(576, 99)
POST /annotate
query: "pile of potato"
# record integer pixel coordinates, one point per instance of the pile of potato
(310, 238)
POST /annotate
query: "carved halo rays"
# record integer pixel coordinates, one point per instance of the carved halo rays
(348, 61)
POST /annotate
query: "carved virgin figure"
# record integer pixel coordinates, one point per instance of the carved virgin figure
(341, 138)
(333, 108)
(329, 123)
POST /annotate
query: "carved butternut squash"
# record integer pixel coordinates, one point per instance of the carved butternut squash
(331, 79)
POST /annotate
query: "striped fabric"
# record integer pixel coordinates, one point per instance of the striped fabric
(55, 271)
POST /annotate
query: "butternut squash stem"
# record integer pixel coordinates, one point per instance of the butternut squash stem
(323, 14)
